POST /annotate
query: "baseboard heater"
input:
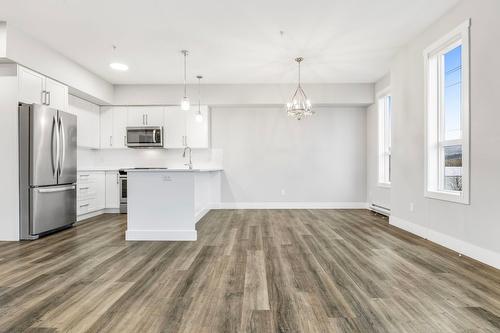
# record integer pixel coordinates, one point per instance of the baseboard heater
(380, 209)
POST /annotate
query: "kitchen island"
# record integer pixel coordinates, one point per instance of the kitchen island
(165, 204)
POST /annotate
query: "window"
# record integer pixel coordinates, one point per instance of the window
(447, 117)
(384, 139)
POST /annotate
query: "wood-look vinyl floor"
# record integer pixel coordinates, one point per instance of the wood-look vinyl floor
(249, 271)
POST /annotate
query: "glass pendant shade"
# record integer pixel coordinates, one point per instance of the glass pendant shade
(300, 106)
(199, 117)
(185, 104)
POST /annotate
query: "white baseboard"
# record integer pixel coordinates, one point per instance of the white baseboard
(291, 205)
(112, 211)
(89, 215)
(161, 235)
(97, 213)
(201, 213)
(473, 251)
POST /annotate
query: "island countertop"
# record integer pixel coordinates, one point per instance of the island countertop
(174, 170)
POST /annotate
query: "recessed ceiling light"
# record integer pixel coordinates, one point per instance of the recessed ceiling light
(118, 67)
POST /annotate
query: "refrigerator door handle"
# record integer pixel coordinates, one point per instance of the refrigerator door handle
(62, 156)
(55, 133)
(58, 189)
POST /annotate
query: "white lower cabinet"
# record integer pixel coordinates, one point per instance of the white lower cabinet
(112, 190)
(91, 192)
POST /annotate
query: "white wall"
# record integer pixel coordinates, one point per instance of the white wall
(471, 229)
(3, 39)
(9, 168)
(375, 193)
(316, 160)
(360, 94)
(29, 52)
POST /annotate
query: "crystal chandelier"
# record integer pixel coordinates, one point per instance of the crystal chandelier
(300, 106)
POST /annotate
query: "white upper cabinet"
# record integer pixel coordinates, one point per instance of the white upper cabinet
(36, 88)
(106, 130)
(144, 116)
(57, 94)
(113, 127)
(182, 129)
(174, 129)
(88, 119)
(154, 116)
(31, 86)
(119, 127)
(136, 117)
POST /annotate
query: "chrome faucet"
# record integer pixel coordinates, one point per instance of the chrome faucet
(190, 164)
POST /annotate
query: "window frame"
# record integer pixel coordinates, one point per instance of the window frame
(434, 113)
(384, 138)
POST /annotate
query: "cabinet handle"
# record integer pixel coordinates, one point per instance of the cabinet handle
(84, 175)
(125, 140)
(147, 120)
(84, 205)
(48, 97)
(111, 141)
(84, 188)
(117, 179)
(143, 120)
(43, 97)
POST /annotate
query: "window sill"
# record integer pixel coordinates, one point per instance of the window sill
(384, 185)
(447, 196)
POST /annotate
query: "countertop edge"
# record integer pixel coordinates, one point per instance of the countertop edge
(149, 170)
(172, 170)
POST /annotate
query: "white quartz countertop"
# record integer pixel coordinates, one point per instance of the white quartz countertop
(174, 170)
(159, 169)
(86, 169)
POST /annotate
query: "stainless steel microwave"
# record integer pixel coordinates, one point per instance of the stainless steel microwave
(145, 137)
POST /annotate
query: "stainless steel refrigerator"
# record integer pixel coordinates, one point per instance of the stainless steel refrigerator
(47, 170)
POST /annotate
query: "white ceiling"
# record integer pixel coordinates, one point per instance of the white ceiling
(230, 41)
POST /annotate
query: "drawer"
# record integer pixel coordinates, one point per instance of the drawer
(85, 206)
(86, 177)
(90, 177)
(86, 190)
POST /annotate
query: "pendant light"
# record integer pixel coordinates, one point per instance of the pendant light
(117, 66)
(300, 106)
(199, 117)
(185, 105)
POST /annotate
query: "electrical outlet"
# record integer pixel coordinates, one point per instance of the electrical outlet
(283, 192)
(412, 207)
